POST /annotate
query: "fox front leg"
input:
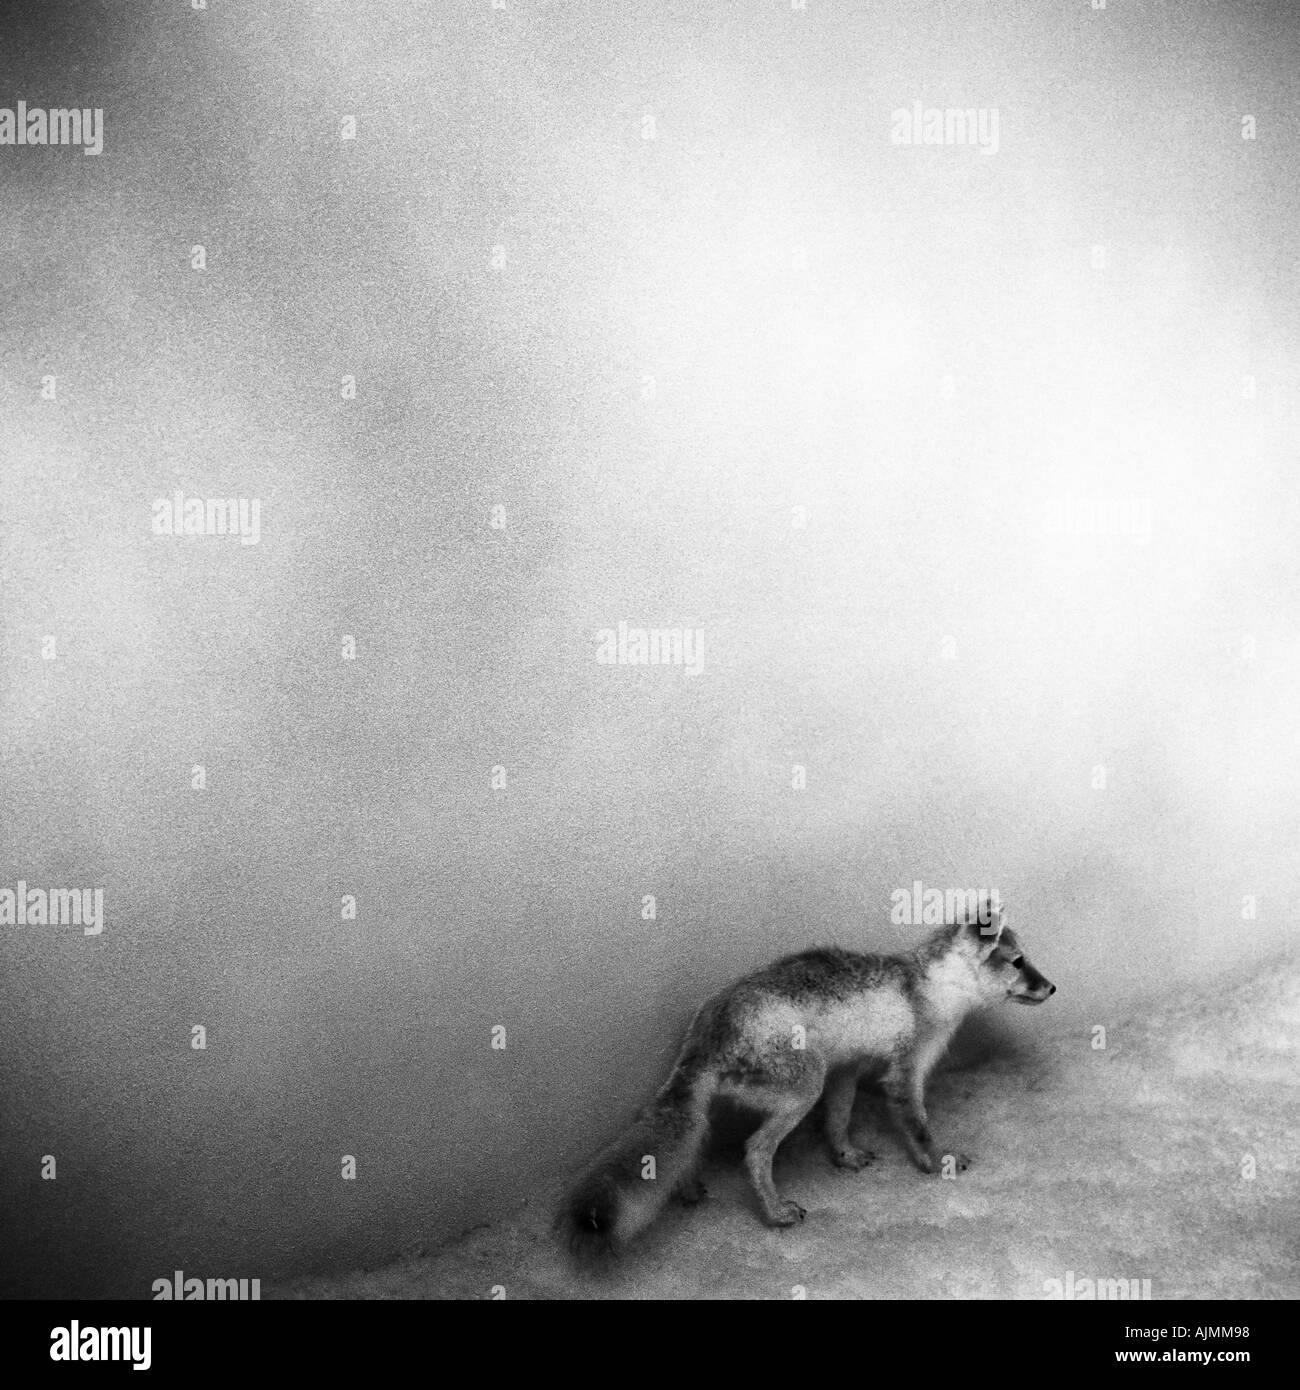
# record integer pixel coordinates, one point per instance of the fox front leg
(841, 1091)
(690, 1192)
(907, 1109)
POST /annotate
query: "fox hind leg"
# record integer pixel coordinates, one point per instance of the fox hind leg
(783, 1089)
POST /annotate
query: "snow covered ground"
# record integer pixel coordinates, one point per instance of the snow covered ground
(1127, 1162)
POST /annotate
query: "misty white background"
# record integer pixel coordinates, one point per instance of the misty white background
(914, 345)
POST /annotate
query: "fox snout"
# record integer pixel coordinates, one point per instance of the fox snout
(1031, 987)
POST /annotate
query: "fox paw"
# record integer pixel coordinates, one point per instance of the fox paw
(691, 1194)
(850, 1157)
(787, 1214)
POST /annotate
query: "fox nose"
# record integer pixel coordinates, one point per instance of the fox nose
(1051, 989)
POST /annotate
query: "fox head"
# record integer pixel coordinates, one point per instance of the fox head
(1005, 971)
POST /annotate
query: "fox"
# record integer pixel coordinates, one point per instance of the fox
(808, 1026)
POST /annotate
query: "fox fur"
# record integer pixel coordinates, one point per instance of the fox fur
(779, 1040)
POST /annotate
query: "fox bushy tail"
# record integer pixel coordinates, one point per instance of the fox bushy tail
(622, 1191)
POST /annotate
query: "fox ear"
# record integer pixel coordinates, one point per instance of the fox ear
(990, 931)
(984, 936)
